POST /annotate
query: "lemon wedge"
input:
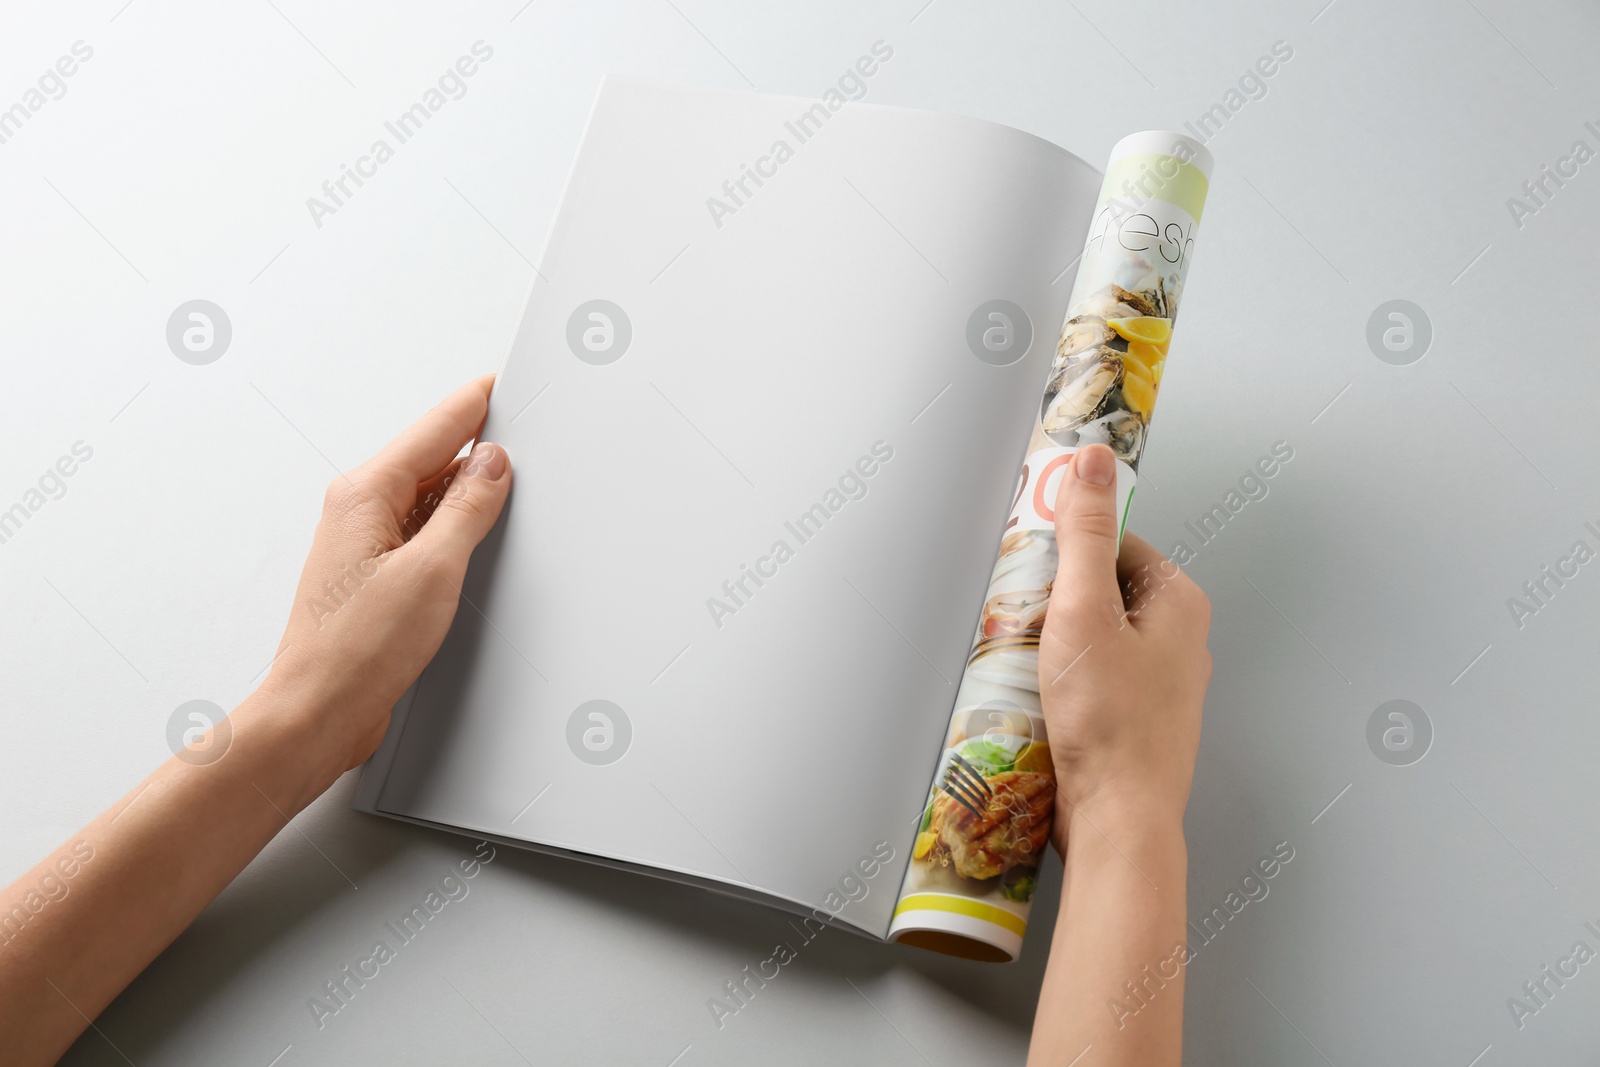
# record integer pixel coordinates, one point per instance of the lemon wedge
(1141, 360)
(1139, 393)
(1147, 328)
(1035, 758)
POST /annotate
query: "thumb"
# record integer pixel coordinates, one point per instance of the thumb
(1086, 529)
(470, 506)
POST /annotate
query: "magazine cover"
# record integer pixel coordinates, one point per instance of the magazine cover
(978, 845)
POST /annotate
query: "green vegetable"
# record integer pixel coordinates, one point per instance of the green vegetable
(1020, 889)
(988, 757)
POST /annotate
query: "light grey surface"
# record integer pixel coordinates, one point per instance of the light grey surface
(1421, 497)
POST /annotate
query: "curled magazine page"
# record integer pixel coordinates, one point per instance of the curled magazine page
(976, 854)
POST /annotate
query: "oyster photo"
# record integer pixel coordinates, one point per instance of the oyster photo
(1115, 302)
(1122, 430)
(1081, 389)
(1019, 594)
(1082, 332)
(1107, 368)
(1019, 613)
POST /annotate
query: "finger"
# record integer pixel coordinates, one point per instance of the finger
(427, 446)
(430, 494)
(1143, 573)
(1086, 534)
(1156, 590)
(469, 508)
(1138, 559)
(440, 482)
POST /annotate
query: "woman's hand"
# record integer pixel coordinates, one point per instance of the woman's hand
(383, 578)
(1123, 664)
(374, 602)
(1123, 669)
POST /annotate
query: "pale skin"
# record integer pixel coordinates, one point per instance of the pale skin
(1123, 670)
(393, 543)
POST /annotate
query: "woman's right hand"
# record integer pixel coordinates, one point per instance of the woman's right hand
(1123, 669)
(1123, 665)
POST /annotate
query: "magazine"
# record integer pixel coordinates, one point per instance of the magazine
(787, 411)
(975, 862)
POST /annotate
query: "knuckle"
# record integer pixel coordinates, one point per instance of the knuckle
(424, 557)
(1194, 623)
(1090, 524)
(385, 481)
(1190, 594)
(341, 496)
(1093, 520)
(430, 562)
(467, 501)
(1073, 608)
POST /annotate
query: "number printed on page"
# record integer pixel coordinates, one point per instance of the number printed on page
(1035, 505)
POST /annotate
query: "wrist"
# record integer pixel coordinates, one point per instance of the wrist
(1106, 786)
(1135, 833)
(1128, 808)
(292, 742)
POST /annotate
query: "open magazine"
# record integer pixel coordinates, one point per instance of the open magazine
(787, 411)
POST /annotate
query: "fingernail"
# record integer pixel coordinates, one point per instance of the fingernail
(487, 461)
(1096, 465)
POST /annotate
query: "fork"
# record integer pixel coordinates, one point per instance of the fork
(965, 784)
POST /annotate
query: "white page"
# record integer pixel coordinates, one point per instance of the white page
(821, 317)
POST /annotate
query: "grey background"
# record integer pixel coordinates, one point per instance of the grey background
(1419, 499)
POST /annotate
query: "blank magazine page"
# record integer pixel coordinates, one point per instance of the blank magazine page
(762, 460)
